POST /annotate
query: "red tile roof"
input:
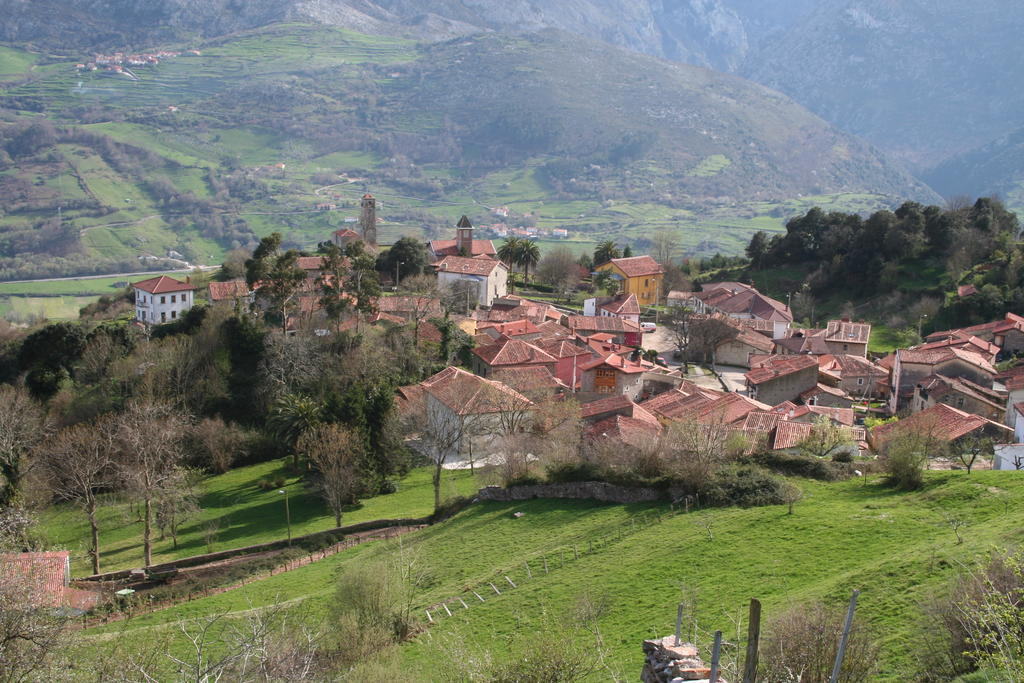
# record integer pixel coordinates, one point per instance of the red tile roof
(940, 386)
(530, 379)
(790, 434)
(409, 304)
(225, 291)
(638, 266)
(468, 266)
(940, 422)
(515, 328)
(634, 431)
(823, 389)
(563, 348)
(754, 340)
(847, 332)
(506, 352)
(618, 363)
(346, 233)
(162, 285)
(467, 394)
(602, 323)
(621, 304)
(47, 575)
(964, 291)
(761, 421)
(442, 248)
(736, 298)
(779, 366)
(607, 405)
(944, 355)
(310, 262)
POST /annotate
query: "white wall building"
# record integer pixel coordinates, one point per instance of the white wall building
(1008, 456)
(162, 299)
(487, 278)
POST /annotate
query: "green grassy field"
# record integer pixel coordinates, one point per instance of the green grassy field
(23, 308)
(236, 513)
(897, 548)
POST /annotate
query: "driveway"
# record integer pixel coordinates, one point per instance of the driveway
(662, 341)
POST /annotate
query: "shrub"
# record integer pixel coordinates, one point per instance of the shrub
(904, 461)
(565, 472)
(265, 485)
(800, 645)
(843, 456)
(743, 485)
(801, 466)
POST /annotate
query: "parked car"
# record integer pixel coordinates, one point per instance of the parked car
(648, 327)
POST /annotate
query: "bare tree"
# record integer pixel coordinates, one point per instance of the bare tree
(335, 452)
(695, 450)
(677, 319)
(825, 438)
(176, 502)
(149, 438)
(707, 333)
(78, 463)
(664, 246)
(423, 296)
(559, 269)
(791, 495)
(968, 450)
(22, 425)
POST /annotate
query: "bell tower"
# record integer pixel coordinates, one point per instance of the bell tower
(368, 219)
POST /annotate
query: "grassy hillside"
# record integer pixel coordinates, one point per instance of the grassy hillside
(897, 548)
(186, 156)
(236, 512)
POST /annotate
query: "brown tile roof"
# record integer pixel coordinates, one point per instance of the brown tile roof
(549, 329)
(621, 404)
(618, 363)
(967, 342)
(940, 421)
(790, 434)
(409, 304)
(761, 421)
(754, 340)
(779, 366)
(310, 262)
(847, 332)
(162, 285)
(638, 266)
(737, 298)
(47, 575)
(843, 416)
(506, 352)
(465, 393)
(675, 404)
(823, 389)
(964, 291)
(621, 304)
(442, 248)
(801, 341)
(226, 291)
(467, 266)
(1010, 322)
(940, 385)
(563, 348)
(347, 233)
(531, 378)
(602, 323)
(515, 328)
(635, 430)
(845, 365)
(944, 355)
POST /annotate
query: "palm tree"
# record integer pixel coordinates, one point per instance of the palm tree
(605, 252)
(508, 252)
(529, 255)
(293, 416)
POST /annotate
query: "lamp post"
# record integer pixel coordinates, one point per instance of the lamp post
(397, 263)
(287, 515)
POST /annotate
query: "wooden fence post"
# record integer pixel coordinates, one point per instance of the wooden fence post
(846, 635)
(753, 639)
(716, 654)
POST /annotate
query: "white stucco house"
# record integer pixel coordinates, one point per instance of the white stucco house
(162, 299)
(487, 279)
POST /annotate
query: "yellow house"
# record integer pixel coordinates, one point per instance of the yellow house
(639, 275)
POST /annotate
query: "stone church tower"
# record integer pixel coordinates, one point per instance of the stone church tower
(368, 219)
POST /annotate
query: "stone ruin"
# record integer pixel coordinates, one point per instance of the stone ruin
(667, 662)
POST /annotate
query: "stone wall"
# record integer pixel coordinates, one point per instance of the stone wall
(666, 662)
(591, 490)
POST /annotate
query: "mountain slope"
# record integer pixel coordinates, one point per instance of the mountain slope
(922, 80)
(996, 168)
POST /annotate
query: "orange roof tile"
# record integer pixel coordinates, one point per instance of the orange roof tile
(232, 289)
(162, 285)
(507, 352)
(779, 366)
(468, 266)
(638, 266)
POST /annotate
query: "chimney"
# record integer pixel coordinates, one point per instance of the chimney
(464, 236)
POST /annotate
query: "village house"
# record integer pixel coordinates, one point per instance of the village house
(618, 375)
(230, 292)
(848, 338)
(535, 382)
(825, 395)
(910, 366)
(485, 279)
(511, 308)
(410, 306)
(46, 577)
(964, 342)
(622, 305)
(519, 329)
(462, 414)
(941, 423)
(463, 245)
(736, 300)
(1007, 334)
(344, 237)
(1008, 456)
(622, 331)
(506, 354)
(787, 437)
(782, 378)
(961, 393)
(636, 429)
(570, 355)
(738, 350)
(638, 275)
(162, 299)
(856, 376)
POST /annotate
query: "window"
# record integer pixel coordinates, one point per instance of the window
(174, 314)
(846, 347)
(163, 299)
(960, 402)
(163, 317)
(860, 381)
(174, 299)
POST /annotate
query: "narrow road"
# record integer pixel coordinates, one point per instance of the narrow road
(99, 277)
